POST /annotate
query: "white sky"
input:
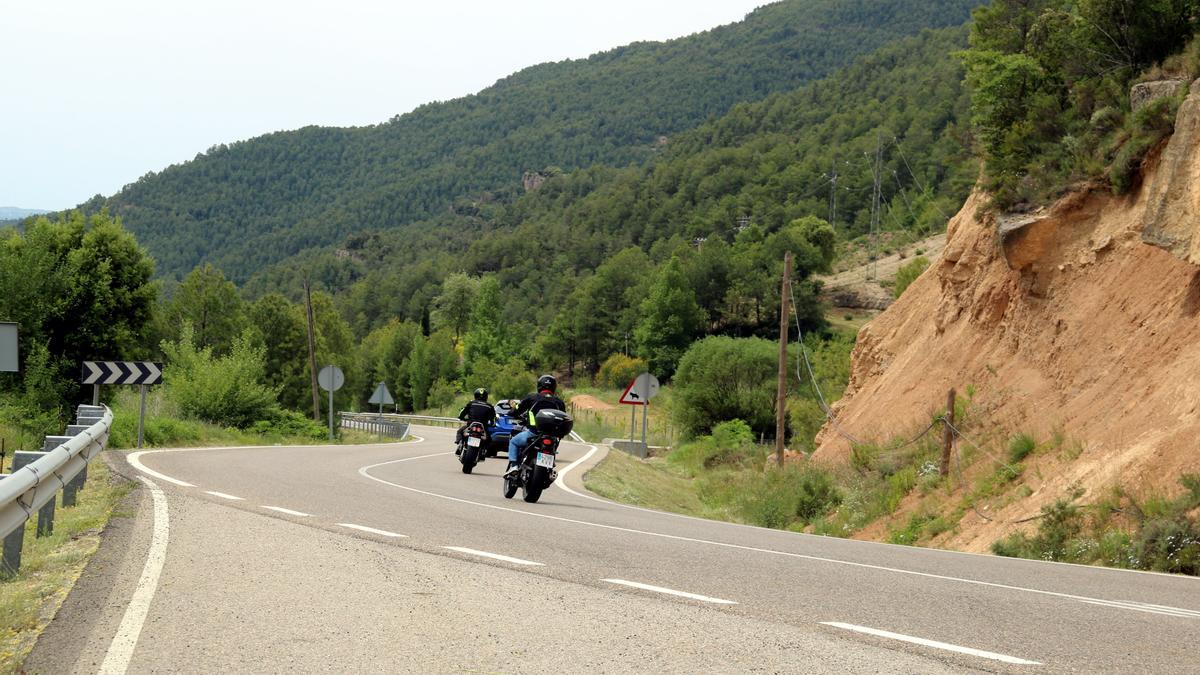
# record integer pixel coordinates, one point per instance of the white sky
(96, 93)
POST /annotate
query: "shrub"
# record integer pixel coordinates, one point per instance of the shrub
(724, 378)
(511, 380)
(779, 498)
(618, 370)
(1020, 447)
(224, 390)
(442, 393)
(908, 273)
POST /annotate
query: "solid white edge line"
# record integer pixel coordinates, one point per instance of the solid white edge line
(932, 643)
(222, 495)
(290, 512)
(493, 556)
(134, 460)
(670, 591)
(120, 650)
(364, 528)
(365, 472)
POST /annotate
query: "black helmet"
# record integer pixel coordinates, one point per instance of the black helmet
(547, 383)
(481, 394)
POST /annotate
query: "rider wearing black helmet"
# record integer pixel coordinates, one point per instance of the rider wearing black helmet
(477, 410)
(542, 399)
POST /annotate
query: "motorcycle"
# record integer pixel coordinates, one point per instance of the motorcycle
(535, 465)
(471, 448)
(503, 429)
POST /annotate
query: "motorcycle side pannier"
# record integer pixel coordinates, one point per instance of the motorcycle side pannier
(553, 422)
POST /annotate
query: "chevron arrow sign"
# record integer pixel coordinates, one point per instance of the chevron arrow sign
(121, 372)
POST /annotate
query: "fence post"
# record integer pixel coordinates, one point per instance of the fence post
(947, 434)
(74, 485)
(45, 522)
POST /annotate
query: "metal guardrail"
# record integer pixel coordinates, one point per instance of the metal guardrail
(427, 420)
(37, 477)
(374, 424)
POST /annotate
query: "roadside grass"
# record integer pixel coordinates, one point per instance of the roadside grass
(50, 565)
(165, 428)
(650, 484)
(849, 321)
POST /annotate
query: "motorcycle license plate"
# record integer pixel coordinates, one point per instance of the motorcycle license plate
(545, 460)
(474, 442)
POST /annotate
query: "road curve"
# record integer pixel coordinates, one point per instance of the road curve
(317, 556)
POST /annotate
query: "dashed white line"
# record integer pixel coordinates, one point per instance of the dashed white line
(364, 528)
(493, 556)
(120, 650)
(670, 591)
(932, 643)
(222, 495)
(290, 512)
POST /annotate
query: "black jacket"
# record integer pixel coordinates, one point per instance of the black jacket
(533, 403)
(478, 411)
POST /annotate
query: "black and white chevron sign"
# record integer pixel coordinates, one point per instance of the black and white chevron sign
(122, 372)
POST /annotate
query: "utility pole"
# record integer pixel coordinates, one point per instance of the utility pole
(833, 178)
(947, 435)
(785, 311)
(312, 350)
(876, 194)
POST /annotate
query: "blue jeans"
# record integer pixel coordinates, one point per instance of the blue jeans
(517, 443)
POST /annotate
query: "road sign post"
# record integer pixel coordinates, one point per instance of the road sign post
(639, 392)
(142, 373)
(331, 378)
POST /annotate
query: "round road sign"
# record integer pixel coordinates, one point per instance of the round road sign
(331, 378)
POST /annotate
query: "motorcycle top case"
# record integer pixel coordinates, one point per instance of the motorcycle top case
(554, 422)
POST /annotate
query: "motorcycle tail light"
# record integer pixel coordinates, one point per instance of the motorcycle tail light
(547, 441)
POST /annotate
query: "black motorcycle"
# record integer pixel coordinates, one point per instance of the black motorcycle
(473, 446)
(535, 466)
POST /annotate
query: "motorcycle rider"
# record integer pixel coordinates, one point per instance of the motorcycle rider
(542, 399)
(477, 410)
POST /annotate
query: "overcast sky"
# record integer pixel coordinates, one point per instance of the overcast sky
(95, 93)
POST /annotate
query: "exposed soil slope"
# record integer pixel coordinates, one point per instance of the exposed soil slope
(1070, 319)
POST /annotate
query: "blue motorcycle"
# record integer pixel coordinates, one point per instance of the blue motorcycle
(505, 426)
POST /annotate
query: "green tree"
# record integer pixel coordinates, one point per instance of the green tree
(283, 336)
(488, 336)
(454, 306)
(80, 289)
(671, 320)
(212, 305)
(433, 358)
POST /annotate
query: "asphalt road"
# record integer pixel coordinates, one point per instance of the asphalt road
(387, 557)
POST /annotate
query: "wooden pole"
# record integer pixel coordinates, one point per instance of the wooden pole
(312, 351)
(785, 312)
(947, 434)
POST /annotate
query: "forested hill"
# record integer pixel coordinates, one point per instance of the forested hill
(252, 203)
(717, 197)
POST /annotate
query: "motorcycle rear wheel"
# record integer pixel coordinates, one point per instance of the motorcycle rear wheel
(468, 458)
(532, 490)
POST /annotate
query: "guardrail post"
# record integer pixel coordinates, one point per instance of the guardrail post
(10, 564)
(45, 523)
(75, 484)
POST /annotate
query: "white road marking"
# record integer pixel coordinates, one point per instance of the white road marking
(222, 495)
(365, 472)
(134, 460)
(493, 556)
(120, 650)
(932, 643)
(1143, 607)
(290, 512)
(669, 591)
(364, 528)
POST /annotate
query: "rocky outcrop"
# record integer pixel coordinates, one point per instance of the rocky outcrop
(1080, 321)
(1173, 212)
(533, 180)
(1144, 93)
